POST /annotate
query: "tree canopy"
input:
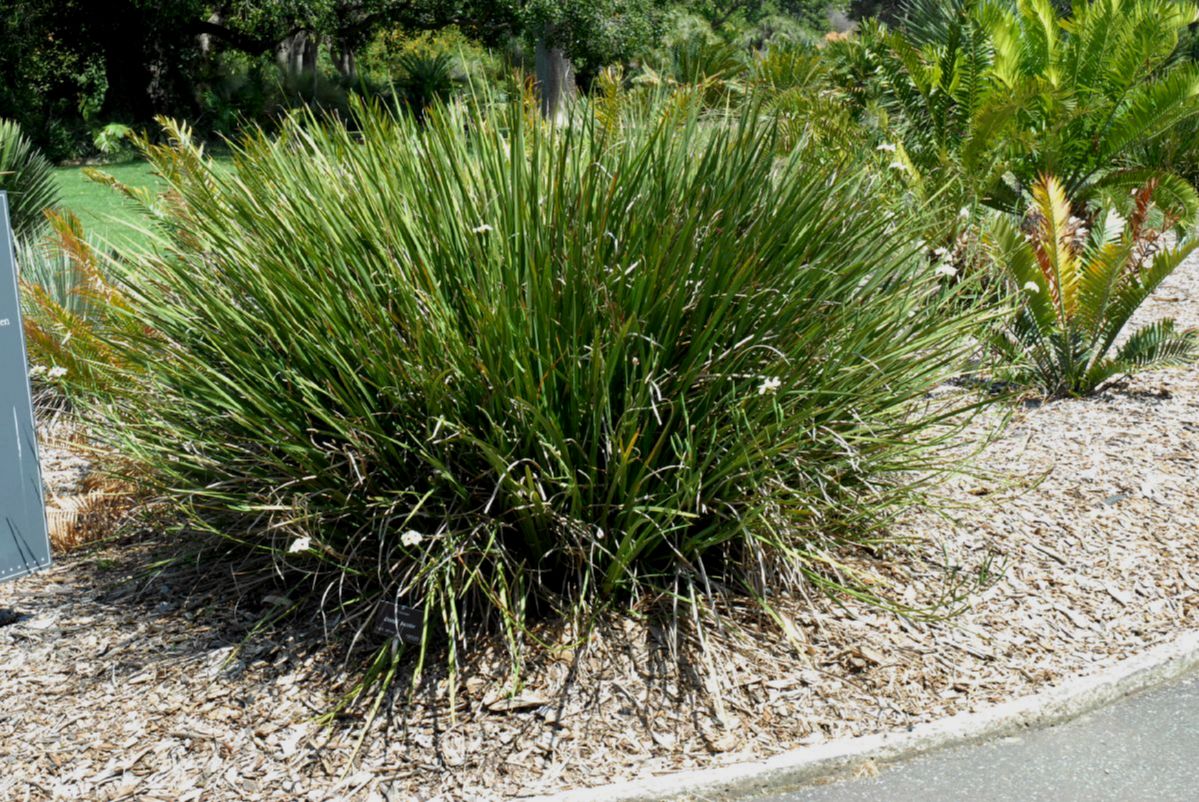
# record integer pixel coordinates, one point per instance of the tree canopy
(68, 67)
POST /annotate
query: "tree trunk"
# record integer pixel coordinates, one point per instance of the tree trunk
(312, 49)
(206, 38)
(347, 67)
(286, 56)
(555, 80)
(297, 55)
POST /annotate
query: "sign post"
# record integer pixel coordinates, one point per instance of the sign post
(24, 540)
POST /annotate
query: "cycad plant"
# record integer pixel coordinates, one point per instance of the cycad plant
(1094, 87)
(27, 177)
(999, 93)
(792, 81)
(1078, 290)
(70, 308)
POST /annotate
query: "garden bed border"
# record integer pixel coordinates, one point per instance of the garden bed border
(787, 771)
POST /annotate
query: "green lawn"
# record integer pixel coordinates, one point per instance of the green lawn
(104, 212)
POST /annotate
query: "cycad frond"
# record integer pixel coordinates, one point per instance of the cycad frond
(26, 176)
(1099, 281)
(932, 21)
(1054, 246)
(1152, 108)
(1173, 195)
(1039, 21)
(1096, 33)
(1139, 285)
(1010, 249)
(1159, 344)
(1116, 45)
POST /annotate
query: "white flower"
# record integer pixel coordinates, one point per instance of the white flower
(963, 212)
(411, 538)
(940, 252)
(37, 370)
(299, 544)
(897, 166)
(887, 146)
(57, 372)
(947, 270)
(1031, 286)
(483, 229)
(769, 385)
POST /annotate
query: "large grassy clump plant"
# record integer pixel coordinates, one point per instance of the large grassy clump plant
(490, 367)
(1080, 288)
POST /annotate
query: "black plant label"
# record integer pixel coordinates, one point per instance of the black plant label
(396, 620)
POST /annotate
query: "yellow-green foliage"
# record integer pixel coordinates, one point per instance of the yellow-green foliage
(989, 95)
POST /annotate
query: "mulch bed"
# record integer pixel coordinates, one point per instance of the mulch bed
(1078, 546)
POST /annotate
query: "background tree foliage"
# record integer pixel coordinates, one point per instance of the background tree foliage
(721, 13)
(69, 67)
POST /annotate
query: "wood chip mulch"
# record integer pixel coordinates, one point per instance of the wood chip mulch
(1078, 546)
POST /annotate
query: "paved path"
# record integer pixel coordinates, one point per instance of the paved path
(1145, 748)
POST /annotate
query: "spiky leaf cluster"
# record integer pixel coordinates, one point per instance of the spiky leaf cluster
(1079, 289)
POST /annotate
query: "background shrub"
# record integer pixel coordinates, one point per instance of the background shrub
(27, 178)
(426, 80)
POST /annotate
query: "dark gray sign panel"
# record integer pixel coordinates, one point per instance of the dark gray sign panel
(24, 542)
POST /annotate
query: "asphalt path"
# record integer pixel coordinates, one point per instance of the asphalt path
(1145, 747)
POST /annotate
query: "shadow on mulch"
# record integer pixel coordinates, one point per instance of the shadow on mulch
(8, 617)
(1118, 391)
(215, 605)
(195, 586)
(1125, 390)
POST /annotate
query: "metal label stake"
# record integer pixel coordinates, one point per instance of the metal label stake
(24, 539)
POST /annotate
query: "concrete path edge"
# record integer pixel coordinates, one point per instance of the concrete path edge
(786, 771)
